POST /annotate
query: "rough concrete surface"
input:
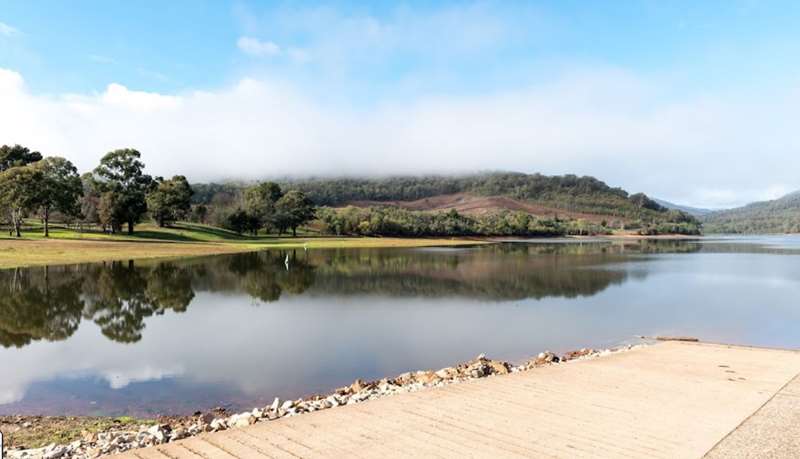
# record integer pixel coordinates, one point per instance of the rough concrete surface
(670, 400)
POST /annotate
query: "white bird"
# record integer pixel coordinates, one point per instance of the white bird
(286, 262)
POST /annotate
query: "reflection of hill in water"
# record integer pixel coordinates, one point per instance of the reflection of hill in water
(50, 303)
(484, 274)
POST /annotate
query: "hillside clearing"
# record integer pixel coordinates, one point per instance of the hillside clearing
(469, 204)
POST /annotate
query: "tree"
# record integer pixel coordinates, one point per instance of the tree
(294, 209)
(260, 202)
(121, 172)
(90, 202)
(109, 212)
(237, 221)
(199, 213)
(171, 200)
(60, 189)
(17, 156)
(19, 193)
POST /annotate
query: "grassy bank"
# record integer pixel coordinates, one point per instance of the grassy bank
(39, 431)
(183, 240)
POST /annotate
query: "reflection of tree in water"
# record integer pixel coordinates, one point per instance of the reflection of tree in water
(262, 275)
(38, 303)
(49, 303)
(120, 296)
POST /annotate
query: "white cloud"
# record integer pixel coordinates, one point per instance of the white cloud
(121, 97)
(258, 48)
(7, 31)
(707, 151)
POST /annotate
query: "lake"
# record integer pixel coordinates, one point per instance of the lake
(173, 337)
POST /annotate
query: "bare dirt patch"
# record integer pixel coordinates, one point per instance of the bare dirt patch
(480, 205)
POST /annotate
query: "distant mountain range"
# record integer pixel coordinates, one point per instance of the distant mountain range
(695, 211)
(780, 215)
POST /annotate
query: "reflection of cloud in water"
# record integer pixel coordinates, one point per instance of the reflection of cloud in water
(120, 378)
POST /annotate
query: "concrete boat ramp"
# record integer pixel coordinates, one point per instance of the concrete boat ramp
(671, 400)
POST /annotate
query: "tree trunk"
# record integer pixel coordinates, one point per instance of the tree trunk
(294, 231)
(46, 222)
(130, 226)
(16, 219)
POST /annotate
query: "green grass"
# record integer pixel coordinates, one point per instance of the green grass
(62, 430)
(179, 232)
(66, 246)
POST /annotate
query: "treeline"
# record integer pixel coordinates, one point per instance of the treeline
(118, 193)
(394, 221)
(267, 207)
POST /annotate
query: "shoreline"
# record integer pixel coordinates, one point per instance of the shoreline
(29, 252)
(114, 435)
(65, 250)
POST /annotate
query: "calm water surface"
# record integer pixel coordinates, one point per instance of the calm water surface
(237, 330)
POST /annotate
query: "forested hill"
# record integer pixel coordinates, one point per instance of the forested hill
(780, 215)
(567, 192)
(554, 197)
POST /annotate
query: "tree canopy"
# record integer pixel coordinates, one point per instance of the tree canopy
(16, 156)
(170, 200)
(260, 200)
(60, 189)
(294, 209)
(121, 174)
(19, 193)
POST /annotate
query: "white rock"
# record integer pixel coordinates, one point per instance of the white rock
(177, 434)
(156, 431)
(275, 404)
(218, 424)
(54, 452)
(242, 420)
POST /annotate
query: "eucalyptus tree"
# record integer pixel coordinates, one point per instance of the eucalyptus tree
(170, 200)
(90, 202)
(294, 209)
(60, 189)
(259, 202)
(121, 173)
(19, 193)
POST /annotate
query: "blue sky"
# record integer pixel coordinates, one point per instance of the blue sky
(629, 91)
(81, 46)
